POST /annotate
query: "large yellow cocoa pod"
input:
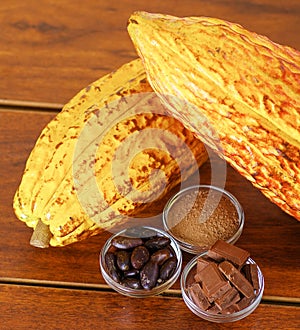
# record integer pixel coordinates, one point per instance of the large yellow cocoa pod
(71, 184)
(241, 87)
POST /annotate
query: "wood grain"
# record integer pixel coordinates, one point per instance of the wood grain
(76, 309)
(270, 235)
(49, 50)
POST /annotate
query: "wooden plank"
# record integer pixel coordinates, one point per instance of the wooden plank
(25, 307)
(51, 50)
(270, 235)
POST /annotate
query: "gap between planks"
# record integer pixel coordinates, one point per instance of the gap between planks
(30, 106)
(171, 293)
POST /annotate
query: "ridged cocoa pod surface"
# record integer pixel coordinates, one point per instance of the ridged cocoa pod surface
(236, 90)
(71, 184)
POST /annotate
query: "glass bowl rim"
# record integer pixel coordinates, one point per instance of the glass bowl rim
(141, 293)
(219, 318)
(194, 249)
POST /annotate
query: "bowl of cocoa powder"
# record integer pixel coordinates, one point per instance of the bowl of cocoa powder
(197, 216)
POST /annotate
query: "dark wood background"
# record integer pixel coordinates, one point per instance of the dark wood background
(52, 49)
(49, 50)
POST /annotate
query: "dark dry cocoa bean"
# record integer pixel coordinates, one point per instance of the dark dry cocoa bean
(126, 243)
(110, 261)
(140, 255)
(172, 253)
(132, 283)
(149, 275)
(131, 273)
(144, 233)
(167, 269)
(160, 256)
(123, 260)
(141, 262)
(157, 242)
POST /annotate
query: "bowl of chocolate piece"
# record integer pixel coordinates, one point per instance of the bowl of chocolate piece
(140, 261)
(200, 215)
(223, 284)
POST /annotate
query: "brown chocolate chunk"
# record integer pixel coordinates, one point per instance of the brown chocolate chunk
(231, 309)
(214, 309)
(228, 283)
(237, 279)
(229, 298)
(251, 274)
(222, 250)
(243, 303)
(201, 264)
(213, 282)
(198, 296)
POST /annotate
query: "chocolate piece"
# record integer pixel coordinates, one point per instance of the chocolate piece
(198, 296)
(237, 279)
(238, 306)
(229, 298)
(214, 309)
(231, 309)
(222, 250)
(227, 285)
(251, 274)
(213, 283)
(201, 264)
(243, 303)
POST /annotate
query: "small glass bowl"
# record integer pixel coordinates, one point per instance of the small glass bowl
(140, 293)
(168, 222)
(187, 278)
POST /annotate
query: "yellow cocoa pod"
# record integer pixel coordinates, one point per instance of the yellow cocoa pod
(241, 87)
(89, 169)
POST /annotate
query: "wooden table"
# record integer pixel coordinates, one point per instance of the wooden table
(49, 50)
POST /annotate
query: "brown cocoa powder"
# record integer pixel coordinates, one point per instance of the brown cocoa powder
(190, 223)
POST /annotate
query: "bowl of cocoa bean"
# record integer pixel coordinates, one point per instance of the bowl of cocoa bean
(197, 216)
(223, 284)
(140, 261)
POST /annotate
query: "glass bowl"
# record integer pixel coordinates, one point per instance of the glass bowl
(143, 232)
(220, 216)
(187, 278)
